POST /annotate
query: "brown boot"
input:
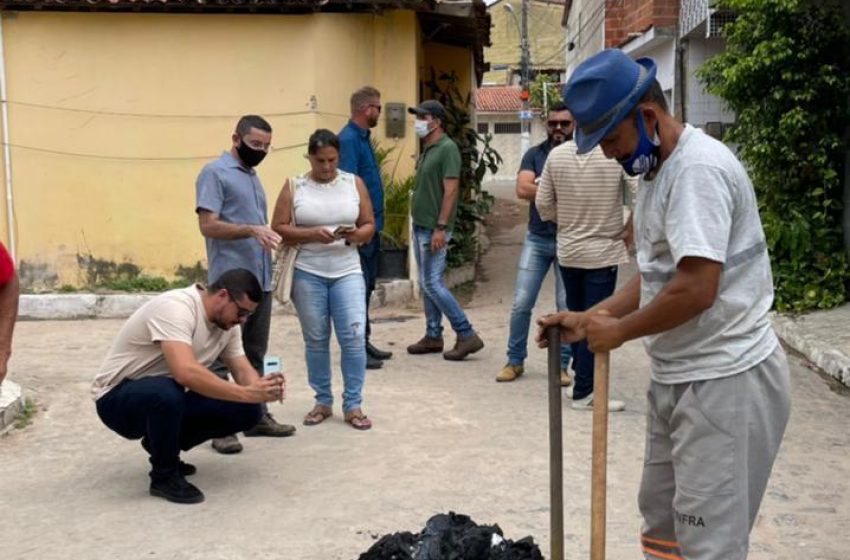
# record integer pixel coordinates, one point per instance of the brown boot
(464, 347)
(426, 345)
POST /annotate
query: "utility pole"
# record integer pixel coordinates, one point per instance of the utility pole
(525, 62)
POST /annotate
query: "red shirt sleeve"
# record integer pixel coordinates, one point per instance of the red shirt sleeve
(7, 266)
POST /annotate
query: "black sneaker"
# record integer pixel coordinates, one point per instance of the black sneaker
(373, 363)
(376, 353)
(186, 469)
(176, 489)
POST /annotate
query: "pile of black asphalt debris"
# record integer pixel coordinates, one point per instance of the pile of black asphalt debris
(452, 536)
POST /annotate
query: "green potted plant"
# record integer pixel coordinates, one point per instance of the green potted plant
(392, 262)
(395, 235)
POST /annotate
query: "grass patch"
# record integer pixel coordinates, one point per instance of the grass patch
(28, 411)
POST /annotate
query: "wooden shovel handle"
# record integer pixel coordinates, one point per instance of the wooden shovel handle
(600, 457)
(556, 452)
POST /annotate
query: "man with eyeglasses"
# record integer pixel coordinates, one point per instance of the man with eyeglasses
(156, 383)
(539, 251)
(356, 156)
(233, 217)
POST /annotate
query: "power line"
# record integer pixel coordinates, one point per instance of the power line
(133, 158)
(148, 115)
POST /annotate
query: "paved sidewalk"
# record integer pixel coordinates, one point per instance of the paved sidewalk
(823, 337)
(446, 437)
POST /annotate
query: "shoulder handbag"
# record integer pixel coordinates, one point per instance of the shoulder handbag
(284, 263)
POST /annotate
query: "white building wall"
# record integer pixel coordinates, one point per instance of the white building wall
(703, 107)
(663, 52)
(585, 31)
(508, 145)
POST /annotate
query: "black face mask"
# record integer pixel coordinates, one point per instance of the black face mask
(249, 155)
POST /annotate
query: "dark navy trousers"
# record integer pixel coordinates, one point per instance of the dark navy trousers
(170, 418)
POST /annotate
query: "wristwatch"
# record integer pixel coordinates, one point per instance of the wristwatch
(442, 227)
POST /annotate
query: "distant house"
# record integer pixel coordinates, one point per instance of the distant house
(115, 105)
(498, 110)
(678, 35)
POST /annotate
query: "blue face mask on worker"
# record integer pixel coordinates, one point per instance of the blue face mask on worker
(645, 156)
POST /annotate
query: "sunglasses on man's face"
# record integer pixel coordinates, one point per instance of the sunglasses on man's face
(556, 124)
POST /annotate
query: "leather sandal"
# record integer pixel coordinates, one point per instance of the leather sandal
(318, 415)
(357, 419)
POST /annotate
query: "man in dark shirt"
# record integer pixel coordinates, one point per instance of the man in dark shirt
(539, 251)
(356, 156)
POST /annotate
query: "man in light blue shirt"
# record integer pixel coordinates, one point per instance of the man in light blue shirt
(232, 215)
(356, 156)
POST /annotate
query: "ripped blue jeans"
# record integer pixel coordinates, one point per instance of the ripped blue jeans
(321, 301)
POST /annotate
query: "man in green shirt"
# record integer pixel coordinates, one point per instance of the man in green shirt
(433, 211)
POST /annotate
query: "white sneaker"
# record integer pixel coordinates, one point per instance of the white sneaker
(568, 391)
(587, 404)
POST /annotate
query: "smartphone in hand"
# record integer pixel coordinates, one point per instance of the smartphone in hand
(271, 364)
(340, 230)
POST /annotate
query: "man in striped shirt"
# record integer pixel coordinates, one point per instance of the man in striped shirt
(584, 195)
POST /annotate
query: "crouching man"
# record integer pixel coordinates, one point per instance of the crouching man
(155, 383)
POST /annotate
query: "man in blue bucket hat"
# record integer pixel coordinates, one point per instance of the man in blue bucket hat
(719, 396)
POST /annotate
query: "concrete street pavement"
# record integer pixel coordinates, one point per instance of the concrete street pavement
(446, 437)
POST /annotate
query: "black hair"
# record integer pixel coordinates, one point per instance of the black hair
(655, 95)
(238, 282)
(322, 138)
(560, 106)
(248, 122)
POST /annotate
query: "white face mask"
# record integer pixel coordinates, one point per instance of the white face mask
(421, 127)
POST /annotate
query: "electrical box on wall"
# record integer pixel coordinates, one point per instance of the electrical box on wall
(395, 119)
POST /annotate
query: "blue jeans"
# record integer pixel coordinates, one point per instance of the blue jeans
(436, 297)
(585, 288)
(319, 302)
(170, 418)
(539, 254)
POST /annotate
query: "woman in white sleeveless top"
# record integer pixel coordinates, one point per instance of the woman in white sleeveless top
(333, 215)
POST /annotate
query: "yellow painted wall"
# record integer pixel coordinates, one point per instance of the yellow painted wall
(447, 58)
(113, 115)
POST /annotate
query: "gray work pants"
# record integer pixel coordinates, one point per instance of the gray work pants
(710, 447)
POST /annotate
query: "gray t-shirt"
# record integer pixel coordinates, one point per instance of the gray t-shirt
(235, 193)
(702, 204)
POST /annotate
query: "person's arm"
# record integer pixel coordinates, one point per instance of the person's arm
(692, 290)
(293, 234)
(365, 219)
(573, 325)
(628, 234)
(9, 294)
(450, 194)
(209, 199)
(526, 189)
(450, 171)
(213, 226)
(546, 199)
(190, 373)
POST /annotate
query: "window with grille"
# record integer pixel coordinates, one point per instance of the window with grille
(507, 128)
(483, 128)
